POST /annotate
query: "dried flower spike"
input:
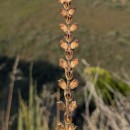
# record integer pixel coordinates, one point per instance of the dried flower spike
(69, 45)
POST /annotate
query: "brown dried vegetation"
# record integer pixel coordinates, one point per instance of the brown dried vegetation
(69, 44)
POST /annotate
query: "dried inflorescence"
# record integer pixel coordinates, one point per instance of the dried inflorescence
(69, 45)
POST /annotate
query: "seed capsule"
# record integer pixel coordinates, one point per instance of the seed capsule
(62, 1)
(63, 12)
(63, 63)
(68, 96)
(74, 44)
(69, 54)
(74, 27)
(69, 75)
(61, 126)
(68, 119)
(68, 37)
(67, 4)
(71, 11)
(72, 127)
(63, 27)
(74, 84)
(68, 19)
(74, 63)
(72, 106)
(62, 84)
(64, 45)
(61, 106)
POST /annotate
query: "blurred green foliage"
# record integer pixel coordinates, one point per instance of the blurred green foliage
(106, 84)
(30, 116)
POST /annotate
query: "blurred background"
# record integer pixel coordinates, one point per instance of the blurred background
(30, 29)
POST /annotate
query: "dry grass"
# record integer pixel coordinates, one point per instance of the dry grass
(11, 88)
(106, 117)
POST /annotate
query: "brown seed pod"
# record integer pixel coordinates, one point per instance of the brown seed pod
(63, 12)
(68, 96)
(68, 119)
(69, 54)
(64, 45)
(69, 75)
(63, 63)
(68, 19)
(74, 44)
(62, 1)
(69, 64)
(61, 106)
(74, 84)
(63, 27)
(72, 106)
(72, 127)
(62, 84)
(67, 4)
(61, 126)
(71, 11)
(74, 27)
(68, 37)
(74, 63)
(68, 0)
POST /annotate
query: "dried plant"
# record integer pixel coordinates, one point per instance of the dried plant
(106, 117)
(11, 88)
(69, 45)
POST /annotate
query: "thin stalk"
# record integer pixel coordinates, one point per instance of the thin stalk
(11, 87)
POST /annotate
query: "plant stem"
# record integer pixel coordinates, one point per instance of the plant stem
(11, 87)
